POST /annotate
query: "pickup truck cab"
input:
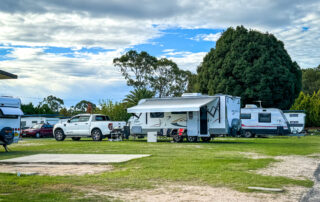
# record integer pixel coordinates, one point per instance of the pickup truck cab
(96, 126)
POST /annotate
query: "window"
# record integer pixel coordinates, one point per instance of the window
(157, 115)
(74, 119)
(34, 122)
(38, 126)
(2, 116)
(264, 117)
(190, 115)
(294, 122)
(245, 116)
(42, 122)
(102, 118)
(84, 118)
(23, 124)
(294, 115)
(178, 112)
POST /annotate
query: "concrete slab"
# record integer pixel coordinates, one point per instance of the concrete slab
(73, 158)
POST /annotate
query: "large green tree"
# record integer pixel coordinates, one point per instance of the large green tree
(311, 80)
(53, 103)
(143, 71)
(252, 65)
(82, 106)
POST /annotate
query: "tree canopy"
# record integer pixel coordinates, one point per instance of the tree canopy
(311, 80)
(143, 71)
(252, 65)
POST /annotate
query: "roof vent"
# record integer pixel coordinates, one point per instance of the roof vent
(191, 94)
(251, 106)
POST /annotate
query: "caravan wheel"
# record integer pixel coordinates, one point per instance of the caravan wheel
(192, 138)
(247, 134)
(178, 138)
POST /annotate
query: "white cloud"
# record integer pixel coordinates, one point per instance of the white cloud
(187, 60)
(207, 37)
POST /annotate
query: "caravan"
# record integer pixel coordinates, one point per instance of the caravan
(296, 119)
(263, 121)
(10, 116)
(192, 116)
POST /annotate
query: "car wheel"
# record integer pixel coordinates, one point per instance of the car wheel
(192, 138)
(206, 139)
(96, 135)
(59, 135)
(38, 135)
(76, 138)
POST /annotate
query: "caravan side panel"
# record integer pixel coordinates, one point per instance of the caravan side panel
(218, 123)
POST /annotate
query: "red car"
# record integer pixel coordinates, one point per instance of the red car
(39, 130)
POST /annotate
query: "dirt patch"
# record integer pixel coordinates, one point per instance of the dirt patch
(295, 167)
(54, 170)
(200, 193)
(251, 155)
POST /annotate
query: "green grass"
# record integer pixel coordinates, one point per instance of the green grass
(213, 164)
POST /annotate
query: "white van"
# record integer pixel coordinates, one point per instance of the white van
(190, 116)
(296, 119)
(10, 117)
(263, 121)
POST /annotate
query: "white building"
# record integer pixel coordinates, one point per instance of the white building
(29, 121)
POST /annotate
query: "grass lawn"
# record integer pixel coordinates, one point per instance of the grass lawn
(214, 164)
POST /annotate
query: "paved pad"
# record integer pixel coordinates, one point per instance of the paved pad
(73, 158)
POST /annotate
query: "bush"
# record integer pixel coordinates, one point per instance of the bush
(311, 105)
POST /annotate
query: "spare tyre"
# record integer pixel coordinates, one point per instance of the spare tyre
(7, 135)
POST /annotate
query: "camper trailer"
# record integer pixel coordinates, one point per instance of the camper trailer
(10, 115)
(192, 116)
(263, 121)
(296, 119)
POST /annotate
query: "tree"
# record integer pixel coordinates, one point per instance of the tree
(28, 108)
(161, 76)
(116, 111)
(136, 95)
(252, 65)
(167, 79)
(82, 106)
(311, 80)
(135, 67)
(53, 103)
(311, 105)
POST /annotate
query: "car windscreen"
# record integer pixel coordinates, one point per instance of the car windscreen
(36, 127)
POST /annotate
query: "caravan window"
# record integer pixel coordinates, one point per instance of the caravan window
(157, 115)
(264, 117)
(245, 116)
(294, 115)
(2, 116)
(178, 112)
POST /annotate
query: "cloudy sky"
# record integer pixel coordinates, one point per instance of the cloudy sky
(66, 48)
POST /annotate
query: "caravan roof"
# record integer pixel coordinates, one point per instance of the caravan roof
(173, 104)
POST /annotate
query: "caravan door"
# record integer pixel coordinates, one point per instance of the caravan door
(193, 123)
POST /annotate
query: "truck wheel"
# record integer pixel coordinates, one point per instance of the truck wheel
(76, 138)
(96, 135)
(247, 134)
(192, 138)
(59, 135)
(38, 135)
(206, 139)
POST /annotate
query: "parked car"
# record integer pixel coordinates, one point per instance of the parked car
(96, 126)
(38, 130)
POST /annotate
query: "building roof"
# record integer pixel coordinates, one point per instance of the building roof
(177, 104)
(7, 75)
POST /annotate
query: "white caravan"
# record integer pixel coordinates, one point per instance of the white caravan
(193, 115)
(296, 119)
(263, 121)
(10, 116)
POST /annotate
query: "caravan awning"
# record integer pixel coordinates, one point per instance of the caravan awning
(11, 111)
(181, 104)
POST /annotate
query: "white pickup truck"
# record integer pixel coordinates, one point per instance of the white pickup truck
(96, 126)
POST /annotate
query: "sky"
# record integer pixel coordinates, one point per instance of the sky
(66, 48)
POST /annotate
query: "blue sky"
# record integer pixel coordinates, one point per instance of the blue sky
(66, 49)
